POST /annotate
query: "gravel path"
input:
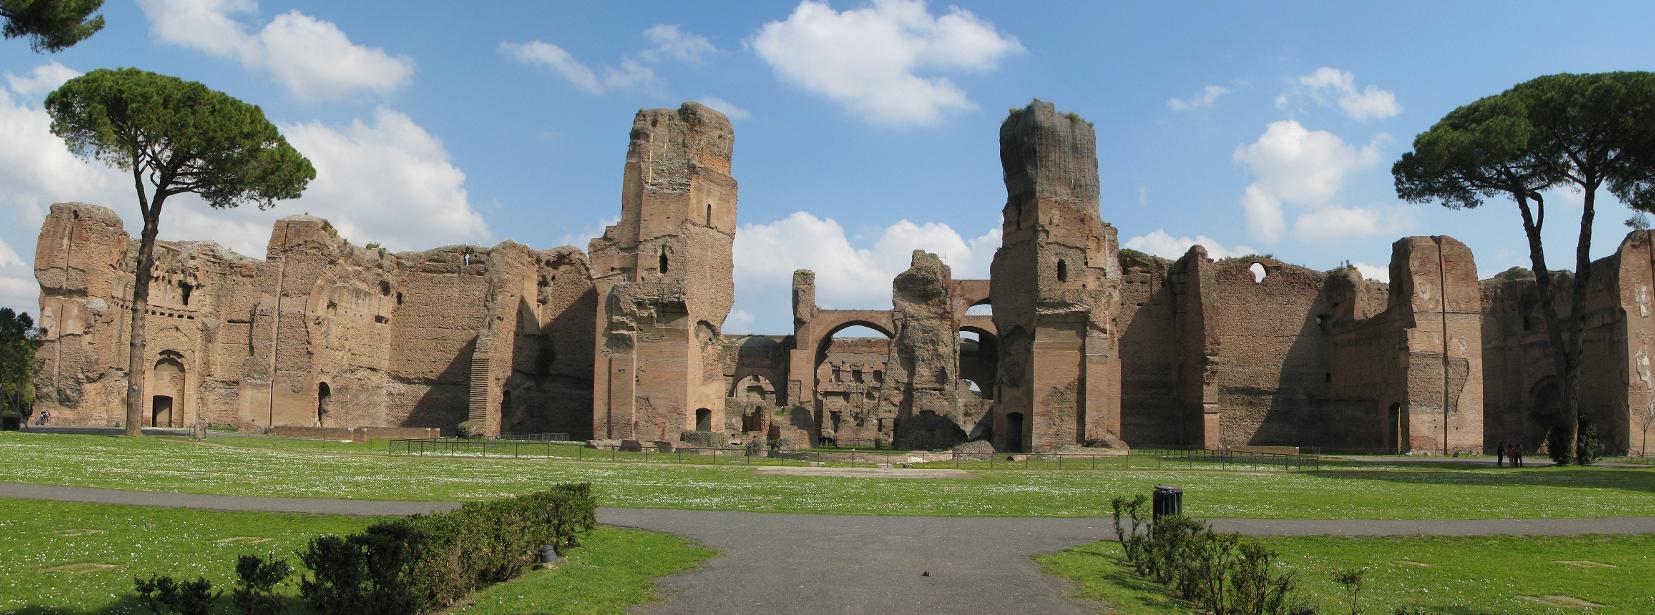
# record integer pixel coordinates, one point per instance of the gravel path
(789, 563)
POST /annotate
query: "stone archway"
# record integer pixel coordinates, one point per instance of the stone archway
(324, 398)
(979, 359)
(167, 385)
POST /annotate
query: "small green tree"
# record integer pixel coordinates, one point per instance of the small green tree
(18, 340)
(51, 25)
(1571, 132)
(1352, 580)
(175, 137)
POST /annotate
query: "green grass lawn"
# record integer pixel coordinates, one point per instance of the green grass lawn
(80, 558)
(61, 557)
(306, 468)
(611, 572)
(1485, 575)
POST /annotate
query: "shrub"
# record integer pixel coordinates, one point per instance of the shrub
(161, 594)
(471, 429)
(1591, 448)
(1352, 579)
(427, 562)
(1220, 573)
(256, 578)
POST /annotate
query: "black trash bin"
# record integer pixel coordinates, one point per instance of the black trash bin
(1168, 501)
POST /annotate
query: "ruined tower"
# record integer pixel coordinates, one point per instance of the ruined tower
(663, 279)
(1056, 287)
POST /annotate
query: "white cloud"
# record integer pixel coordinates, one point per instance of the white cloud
(1296, 166)
(1379, 273)
(1336, 223)
(310, 57)
(739, 321)
(1163, 244)
(870, 59)
(9, 257)
(42, 79)
(20, 294)
(206, 25)
(583, 237)
(316, 61)
(847, 276)
(1205, 98)
(1328, 84)
(36, 169)
(670, 40)
(726, 107)
(1263, 212)
(629, 74)
(388, 182)
(554, 57)
(633, 71)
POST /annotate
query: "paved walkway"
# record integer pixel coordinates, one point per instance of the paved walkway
(791, 563)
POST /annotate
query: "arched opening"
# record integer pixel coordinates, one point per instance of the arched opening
(663, 264)
(1259, 272)
(1062, 270)
(850, 369)
(754, 389)
(979, 361)
(167, 392)
(1014, 432)
(981, 309)
(184, 289)
(324, 395)
(709, 214)
(703, 419)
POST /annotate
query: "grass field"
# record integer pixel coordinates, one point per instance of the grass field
(81, 558)
(1492, 575)
(301, 468)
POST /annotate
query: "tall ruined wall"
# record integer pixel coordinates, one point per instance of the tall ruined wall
(349, 336)
(1622, 386)
(84, 264)
(922, 380)
(1056, 287)
(1272, 359)
(1152, 411)
(1524, 398)
(663, 278)
(848, 386)
(1253, 351)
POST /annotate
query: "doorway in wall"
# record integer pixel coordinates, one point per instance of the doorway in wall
(1014, 432)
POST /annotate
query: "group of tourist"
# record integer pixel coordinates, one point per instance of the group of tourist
(1504, 452)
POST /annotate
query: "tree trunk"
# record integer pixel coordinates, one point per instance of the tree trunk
(1577, 318)
(140, 303)
(1555, 324)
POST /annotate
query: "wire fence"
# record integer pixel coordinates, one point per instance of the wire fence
(1140, 458)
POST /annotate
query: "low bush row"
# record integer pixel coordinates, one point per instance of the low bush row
(410, 565)
(1221, 573)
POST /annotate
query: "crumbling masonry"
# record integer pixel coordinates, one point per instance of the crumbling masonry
(1081, 344)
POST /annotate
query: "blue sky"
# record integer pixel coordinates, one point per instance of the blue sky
(863, 131)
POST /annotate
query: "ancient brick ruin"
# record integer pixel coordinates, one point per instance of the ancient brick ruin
(1083, 344)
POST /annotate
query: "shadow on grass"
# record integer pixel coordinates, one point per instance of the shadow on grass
(129, 604)
(1114, 569)
(1624, 480)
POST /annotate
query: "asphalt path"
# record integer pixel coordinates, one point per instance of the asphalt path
(791, 563)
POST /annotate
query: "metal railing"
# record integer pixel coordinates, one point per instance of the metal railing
(1136, 459)
(534, 437)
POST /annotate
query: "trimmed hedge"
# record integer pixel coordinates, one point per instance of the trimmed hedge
(427, 562)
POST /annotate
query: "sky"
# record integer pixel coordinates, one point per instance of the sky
(863, 130)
